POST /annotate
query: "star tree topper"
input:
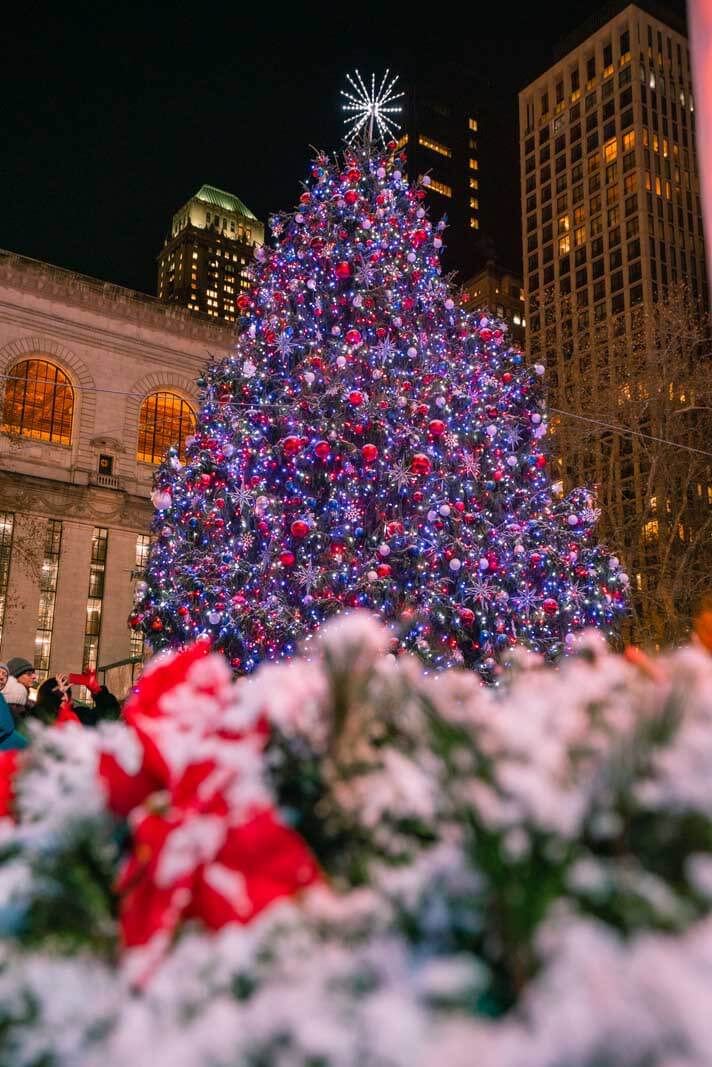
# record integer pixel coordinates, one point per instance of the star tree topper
(371, 108)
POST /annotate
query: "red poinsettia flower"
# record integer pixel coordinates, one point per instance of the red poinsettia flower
(261, 861)
(161, 675)
(125, 791)
(192, 865)
(8, 770)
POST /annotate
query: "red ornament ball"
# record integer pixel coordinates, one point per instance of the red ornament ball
(353, 337)
(437, 427)
(156, 625)
(369, 453)
(485, 335)
(322, 449)
(287, 559)
(420, 464)
(383, 570)
(291, 445)
(300, 528)
(343, 269)
(355, 398)
(550, 606)
(467, 616)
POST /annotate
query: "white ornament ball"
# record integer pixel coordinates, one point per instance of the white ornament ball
(420, 213)
(366, 224)
(299, 217)
(381, 172)
(518, 549)
(377, 373)
(483, 564)
(311, 283)
(440, 401)
(397, 321)
(445, 509)
(449, 303)
(372, 576)
(491, 431)
(432, 516)
(160, 499)
(384, 550)
(341, 361)
(437, 242)
(357, 300)
(309, 376)
(335, 330)
(539, 368)
(573, 520)
(411, 257)
(455, 564)
(214, 617)
(248, 369)
(397, 175)
(511, 461)
(536, 419)
(412, 352)
(623, 578)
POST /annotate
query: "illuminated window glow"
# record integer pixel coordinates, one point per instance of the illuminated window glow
(434, 146)
(165, 419)
(39, 402)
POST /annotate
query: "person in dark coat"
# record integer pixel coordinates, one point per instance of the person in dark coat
(49, 700)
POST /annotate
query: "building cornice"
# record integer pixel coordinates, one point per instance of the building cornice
(106, 299)
(33, 495)
(71, 332)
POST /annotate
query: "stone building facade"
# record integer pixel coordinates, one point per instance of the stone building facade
(94, 381)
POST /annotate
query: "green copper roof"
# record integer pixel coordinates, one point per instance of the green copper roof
(227, 201)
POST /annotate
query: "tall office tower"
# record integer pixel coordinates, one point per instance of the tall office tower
(440, 131)
(611, 228)
(499, 291)
(203, 261)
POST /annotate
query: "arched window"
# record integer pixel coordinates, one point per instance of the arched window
(39, 402)
(165, 419)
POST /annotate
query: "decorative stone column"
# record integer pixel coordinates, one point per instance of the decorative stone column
(70, 612)
(23, 590)
(114, 641)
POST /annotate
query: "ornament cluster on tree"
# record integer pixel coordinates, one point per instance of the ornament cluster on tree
(369, 444)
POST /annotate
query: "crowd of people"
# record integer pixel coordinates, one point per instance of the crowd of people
(52, 702)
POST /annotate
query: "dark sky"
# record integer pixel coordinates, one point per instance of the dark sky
(112, 116)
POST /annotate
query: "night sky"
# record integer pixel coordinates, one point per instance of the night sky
(112, 117)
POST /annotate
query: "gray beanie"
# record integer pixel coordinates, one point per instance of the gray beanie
(18, 665)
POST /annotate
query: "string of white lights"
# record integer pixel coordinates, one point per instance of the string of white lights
(625, 430)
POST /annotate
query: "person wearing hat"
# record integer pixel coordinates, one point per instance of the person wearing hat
(22, 676)
(9, 736)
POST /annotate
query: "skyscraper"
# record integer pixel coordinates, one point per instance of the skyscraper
(611, 227)
(202, 263)
(441, 137)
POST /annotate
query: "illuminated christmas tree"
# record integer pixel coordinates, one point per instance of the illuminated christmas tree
(370, 444)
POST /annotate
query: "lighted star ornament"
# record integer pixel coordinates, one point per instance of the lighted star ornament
(371, 110)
